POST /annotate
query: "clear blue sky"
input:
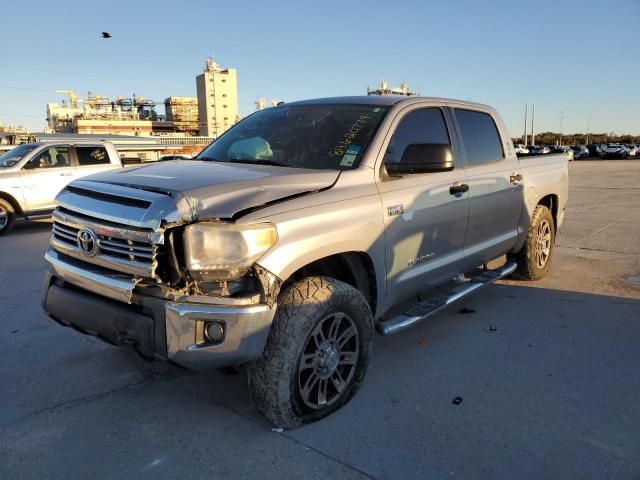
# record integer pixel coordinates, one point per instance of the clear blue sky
(580, 57)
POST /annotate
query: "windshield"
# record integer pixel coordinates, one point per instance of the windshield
(301, 136)
(14, 155)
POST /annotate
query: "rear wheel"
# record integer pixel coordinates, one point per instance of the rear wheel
(316, 355)
(7, 217)
(534, 259)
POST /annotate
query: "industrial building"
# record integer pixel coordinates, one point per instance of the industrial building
(183, 112)
(384, 89)
(100, 115)
(217, 90)
(84, 126)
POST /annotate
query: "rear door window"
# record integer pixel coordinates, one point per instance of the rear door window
(480, 137)
(92, 155)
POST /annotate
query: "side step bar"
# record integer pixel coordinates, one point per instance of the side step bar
(434, 304)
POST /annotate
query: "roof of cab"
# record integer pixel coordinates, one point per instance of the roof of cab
(69, 141)
(381, 100)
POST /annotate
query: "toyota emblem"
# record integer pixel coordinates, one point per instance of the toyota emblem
(87, 242)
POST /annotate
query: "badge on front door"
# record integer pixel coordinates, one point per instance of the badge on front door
(395, 210)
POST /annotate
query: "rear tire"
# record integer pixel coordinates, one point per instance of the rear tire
(316, 355)
(7, 217)
(534, 259)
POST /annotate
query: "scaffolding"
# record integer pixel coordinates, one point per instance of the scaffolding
(183, 112)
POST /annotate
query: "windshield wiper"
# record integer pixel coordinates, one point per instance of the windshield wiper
(261, 162)
(248, 162)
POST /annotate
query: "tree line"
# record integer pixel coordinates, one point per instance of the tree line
(553, 138)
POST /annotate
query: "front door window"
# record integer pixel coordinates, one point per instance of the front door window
(52, 157)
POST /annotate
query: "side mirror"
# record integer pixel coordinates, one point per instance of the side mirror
(30, 165)
(423, 158)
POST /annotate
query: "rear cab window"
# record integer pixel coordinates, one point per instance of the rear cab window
(480, 137)
(92, 155)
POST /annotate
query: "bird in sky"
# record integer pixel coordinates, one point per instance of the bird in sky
(106, 35)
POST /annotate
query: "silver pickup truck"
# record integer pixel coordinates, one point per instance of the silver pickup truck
(303, 229)
(32, 174)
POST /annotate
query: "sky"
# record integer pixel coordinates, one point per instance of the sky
(575, 60)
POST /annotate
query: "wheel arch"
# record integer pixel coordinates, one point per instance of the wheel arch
(551, 202)
(12, 201)
(353, 268)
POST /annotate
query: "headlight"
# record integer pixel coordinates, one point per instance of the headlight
(223, 251)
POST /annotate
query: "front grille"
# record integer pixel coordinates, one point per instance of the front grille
(121, 248)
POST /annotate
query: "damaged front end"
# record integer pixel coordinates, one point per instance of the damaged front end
(118, 269)
(177, 283)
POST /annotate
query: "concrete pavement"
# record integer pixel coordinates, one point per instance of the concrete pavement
(549, 392)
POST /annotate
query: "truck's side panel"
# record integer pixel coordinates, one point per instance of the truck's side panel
(544, 176)
(495, 197)
(327, 226)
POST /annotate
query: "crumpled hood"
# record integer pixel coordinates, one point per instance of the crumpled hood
(219, 190)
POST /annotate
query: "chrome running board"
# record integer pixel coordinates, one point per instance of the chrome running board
(436, 303)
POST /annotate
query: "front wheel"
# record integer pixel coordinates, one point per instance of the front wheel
(316, 355)
(534, 259)
(7, 217)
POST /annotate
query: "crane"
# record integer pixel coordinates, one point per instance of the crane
(73, 97)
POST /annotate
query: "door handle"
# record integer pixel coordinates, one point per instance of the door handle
(458, 188)
(66, 174)
(515, 177)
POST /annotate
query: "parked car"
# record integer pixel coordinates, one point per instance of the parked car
(521, 149)
(594, 149)
(614, 150)
(566, 150)
(535, 150)
(173, 157)
(633, 149)
(297, 234)
(580, 151)
(539, 150)
(32, 174)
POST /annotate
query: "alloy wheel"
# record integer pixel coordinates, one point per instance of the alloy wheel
(329, 360)
(4, 218)
(543, 243)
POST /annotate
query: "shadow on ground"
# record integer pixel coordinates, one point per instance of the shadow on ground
(24, 227)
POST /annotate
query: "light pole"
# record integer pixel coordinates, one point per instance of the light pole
(533, 116)
(525, 125)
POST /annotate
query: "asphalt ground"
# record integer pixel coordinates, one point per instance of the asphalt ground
(547, 373)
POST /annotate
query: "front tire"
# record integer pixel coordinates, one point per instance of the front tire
(7, 217)
(534, 259)
(316, 355)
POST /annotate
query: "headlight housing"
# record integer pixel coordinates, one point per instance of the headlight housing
(224, 251)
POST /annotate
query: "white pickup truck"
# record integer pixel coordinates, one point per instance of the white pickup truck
(32, 174)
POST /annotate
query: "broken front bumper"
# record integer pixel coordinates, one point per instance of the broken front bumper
(107, 307)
